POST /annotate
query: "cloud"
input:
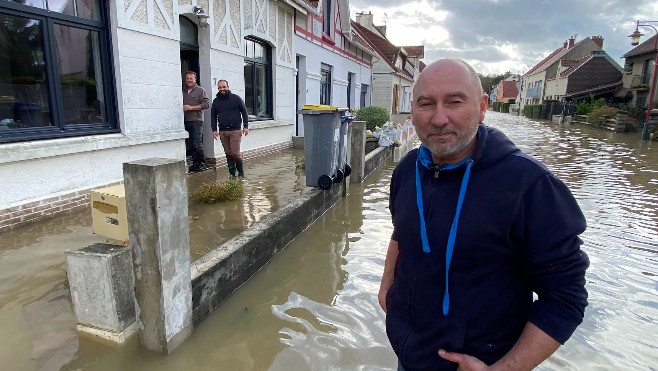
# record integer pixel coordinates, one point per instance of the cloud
(488, 32)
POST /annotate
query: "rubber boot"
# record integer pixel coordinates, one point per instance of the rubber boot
(238, 166)
(231, 167)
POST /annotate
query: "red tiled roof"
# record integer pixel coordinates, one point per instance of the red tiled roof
(357, 39)
(647, 46)
(533, 69)
(574, 66)
(383, 47)
(415, 51)
(553, 57)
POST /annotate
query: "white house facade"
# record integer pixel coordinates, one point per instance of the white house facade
(92, 84)
(334, 64)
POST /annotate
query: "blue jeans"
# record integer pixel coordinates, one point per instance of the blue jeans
(195, 140)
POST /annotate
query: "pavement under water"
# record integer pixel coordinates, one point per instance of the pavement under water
(314, 307)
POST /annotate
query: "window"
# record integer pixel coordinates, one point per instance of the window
(647, 71)
(54, 70)
(326, 17)
(257, 78)
(325, 84)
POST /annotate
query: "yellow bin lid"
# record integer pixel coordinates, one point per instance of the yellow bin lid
(320, 107)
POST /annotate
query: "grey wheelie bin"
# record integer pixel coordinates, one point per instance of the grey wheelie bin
(344, 169)
(321, 144)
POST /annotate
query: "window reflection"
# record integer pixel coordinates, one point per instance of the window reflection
(35, 3)
(24, 99)
(80, 75)
(62, 6)
(257, 75)
(88, 9)
(249, 87)
(261, 92)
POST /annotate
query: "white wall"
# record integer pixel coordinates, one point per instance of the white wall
(313, 55)
(146, 56)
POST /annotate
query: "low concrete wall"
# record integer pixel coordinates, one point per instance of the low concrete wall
(376, 158)
(219, 273)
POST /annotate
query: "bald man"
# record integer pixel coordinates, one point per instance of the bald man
(479, 226)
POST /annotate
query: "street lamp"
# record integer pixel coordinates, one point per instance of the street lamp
(202, 16)
(635, 40)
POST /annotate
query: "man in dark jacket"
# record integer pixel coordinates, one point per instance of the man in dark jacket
(479, 226)
(195, 100)
(229, 122)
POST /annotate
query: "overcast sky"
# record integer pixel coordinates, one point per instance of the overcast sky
(496, 36)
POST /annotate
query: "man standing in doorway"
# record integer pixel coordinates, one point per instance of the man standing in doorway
(195, 100)
(229, 122)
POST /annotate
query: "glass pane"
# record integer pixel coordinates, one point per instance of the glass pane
(24, 99)
(80, 75)
(249, 87)
(62, 6)
(89, 9)
(188, 31)
(35, 3)
(261, 91)
(259, 52)
(250, 49)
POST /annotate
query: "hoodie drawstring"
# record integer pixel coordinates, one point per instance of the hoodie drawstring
(455, 223)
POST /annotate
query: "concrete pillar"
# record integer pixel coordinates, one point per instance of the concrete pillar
(348, 158)
(622, 119)
(158, 225)
(102, 290)
(358, 151)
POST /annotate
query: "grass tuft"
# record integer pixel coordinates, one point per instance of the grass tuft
(210, 193)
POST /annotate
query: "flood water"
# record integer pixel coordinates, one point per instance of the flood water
(314, 307)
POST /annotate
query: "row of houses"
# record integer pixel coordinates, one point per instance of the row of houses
(87, 85)
(577, 70)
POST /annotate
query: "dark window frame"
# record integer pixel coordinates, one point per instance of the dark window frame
(269, 112)
(327, 20)
(326, 81)
(60, 129)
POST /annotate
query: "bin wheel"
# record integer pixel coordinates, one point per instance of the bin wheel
(348, 170)
(339, 176)
(324, 182)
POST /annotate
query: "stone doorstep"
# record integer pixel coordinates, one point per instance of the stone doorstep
(108, 337)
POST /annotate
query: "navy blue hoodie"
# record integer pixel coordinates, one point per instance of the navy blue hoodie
(228, 112)
(517, 233)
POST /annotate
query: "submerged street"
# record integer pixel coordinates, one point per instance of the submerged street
(314, 307)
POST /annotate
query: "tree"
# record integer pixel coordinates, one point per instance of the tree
(488, 81)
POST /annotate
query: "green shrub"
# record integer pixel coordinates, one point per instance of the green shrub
(373, 116)
(586, 106)
(595, 116)
(210, 193)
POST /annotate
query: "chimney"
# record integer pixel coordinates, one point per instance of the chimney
(598, 40)
(365, 19)
(571, 40)
(564, 46)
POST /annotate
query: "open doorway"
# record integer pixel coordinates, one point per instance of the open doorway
(189, 47)
(189, 59)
